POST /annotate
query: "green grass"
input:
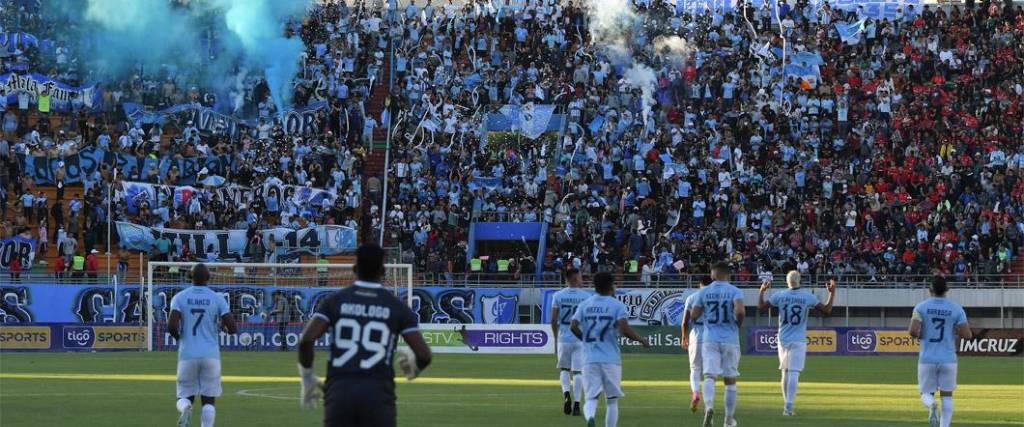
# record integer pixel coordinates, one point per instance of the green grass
(263, 389)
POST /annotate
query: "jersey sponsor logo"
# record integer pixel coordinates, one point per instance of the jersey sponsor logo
(25, 337)
(499, 308)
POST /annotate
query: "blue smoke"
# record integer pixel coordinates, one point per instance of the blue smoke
(120, 38)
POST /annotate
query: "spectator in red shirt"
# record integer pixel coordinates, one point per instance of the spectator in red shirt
(92, 264)
(58, 268)
(15, 269)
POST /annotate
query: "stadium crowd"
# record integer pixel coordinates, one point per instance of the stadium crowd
(900, 153)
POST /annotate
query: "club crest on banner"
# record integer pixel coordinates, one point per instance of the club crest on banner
(499, 308)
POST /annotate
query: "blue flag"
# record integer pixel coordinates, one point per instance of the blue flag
(596, 124)
(850, 33)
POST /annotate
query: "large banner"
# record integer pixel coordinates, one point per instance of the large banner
(884, 341)
(274, 194)
(875, 9)
(646, 306)
(15, 42)
(61, 96)
(321, 240)
(76, 303)
(18, 247)
(80, 166)
(297, 121)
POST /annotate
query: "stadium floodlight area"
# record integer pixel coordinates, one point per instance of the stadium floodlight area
(270, 301)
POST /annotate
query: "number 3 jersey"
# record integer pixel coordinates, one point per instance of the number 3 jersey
(794, 306)
(201, 309)
(599, 317)
(939, 318)
(365, 322)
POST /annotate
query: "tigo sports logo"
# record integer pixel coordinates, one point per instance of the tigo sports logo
(103, 337)
(861, 341)
(78, 337)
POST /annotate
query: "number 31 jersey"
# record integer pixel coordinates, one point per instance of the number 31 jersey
(719, 316)
(365, 322)
(599, 317)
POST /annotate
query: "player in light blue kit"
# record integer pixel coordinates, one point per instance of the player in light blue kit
(720, 306)
(197, 316)
(595, 323)
(795, 305)
(937, 322)
(691, 332)
(569, 348)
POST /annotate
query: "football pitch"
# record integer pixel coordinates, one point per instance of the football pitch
(261, 389)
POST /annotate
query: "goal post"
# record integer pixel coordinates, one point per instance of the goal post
(270, 301)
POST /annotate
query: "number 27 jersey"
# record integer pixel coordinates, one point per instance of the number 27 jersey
(365, 321)
(599, 317)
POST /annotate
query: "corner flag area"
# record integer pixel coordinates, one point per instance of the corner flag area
(131, 389)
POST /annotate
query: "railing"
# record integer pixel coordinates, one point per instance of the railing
(636, 280)
(491, 280)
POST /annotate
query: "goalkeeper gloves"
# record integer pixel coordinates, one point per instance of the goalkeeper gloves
(407, 363)
(312, 388)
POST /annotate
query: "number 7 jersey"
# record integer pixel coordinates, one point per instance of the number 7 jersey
(201, 309)
(365, 322)
(599, 317)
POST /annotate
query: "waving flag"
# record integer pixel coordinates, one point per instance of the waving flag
(850, 33)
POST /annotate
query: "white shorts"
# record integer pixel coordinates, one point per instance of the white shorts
(936, 376)
(199, 377)
(696, 361)
(570, 356)
(792, 356)
(720, 359)
(602, 377)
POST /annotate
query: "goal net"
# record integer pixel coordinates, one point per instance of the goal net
(270, 302)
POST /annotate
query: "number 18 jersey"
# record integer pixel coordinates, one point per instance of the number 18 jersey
(794, 306)
(599, 317)
(365, 321)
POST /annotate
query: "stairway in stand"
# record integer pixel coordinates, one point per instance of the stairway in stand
(375, 156)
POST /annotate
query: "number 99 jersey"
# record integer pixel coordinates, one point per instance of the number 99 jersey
(365, 321)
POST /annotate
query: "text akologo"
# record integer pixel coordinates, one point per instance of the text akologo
(860, 341)
(78, 337)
